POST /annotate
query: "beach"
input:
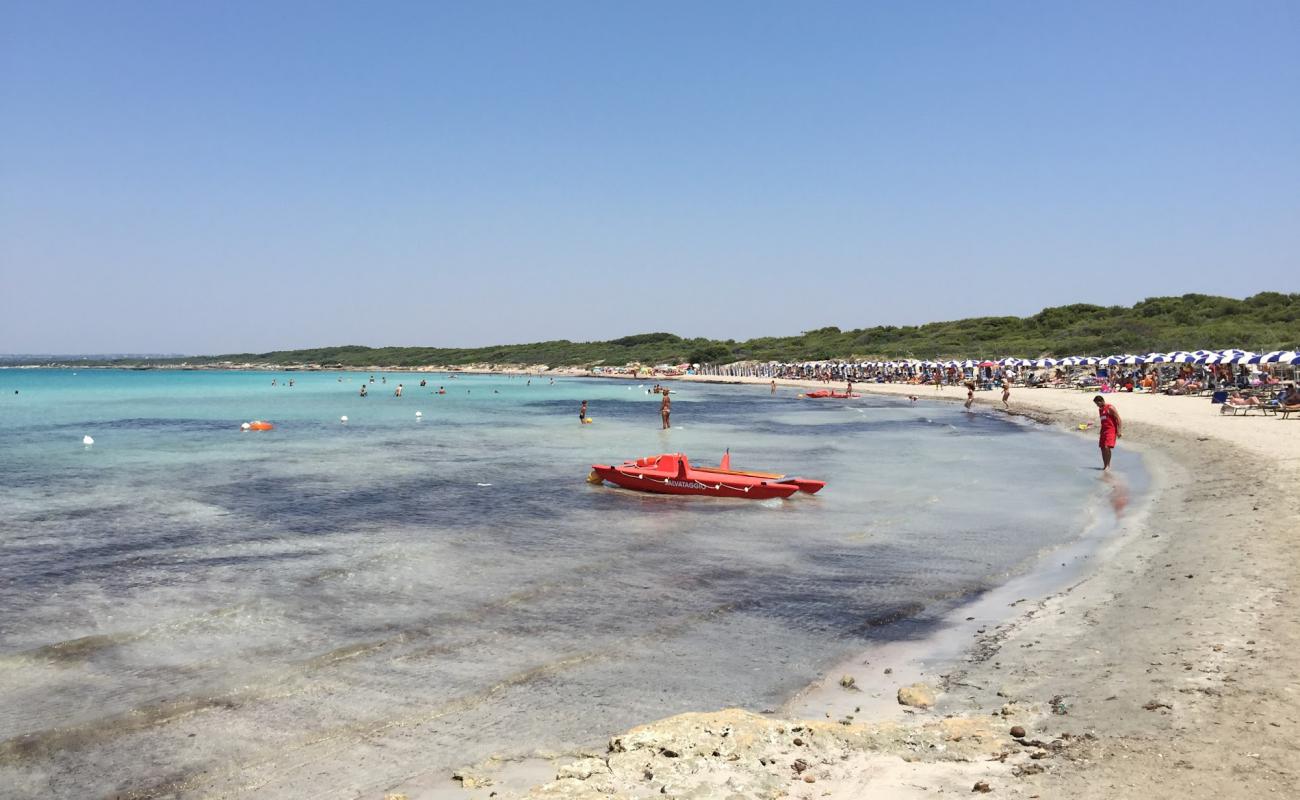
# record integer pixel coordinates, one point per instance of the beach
(245, 642)
(1166, 671)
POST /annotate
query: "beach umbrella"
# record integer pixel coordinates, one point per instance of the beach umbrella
(1010, 362)
(1046, 362)
(1135, 360)
(1182, 358)
(986, 364)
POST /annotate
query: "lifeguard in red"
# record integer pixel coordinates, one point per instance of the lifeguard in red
(1111, 426)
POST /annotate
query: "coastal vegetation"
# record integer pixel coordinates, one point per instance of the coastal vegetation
(1265, 321)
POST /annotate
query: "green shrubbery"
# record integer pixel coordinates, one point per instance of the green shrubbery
(1266, 321)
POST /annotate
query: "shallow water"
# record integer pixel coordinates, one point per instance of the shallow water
(325, 609)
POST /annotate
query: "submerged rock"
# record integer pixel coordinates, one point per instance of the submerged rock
(918, 695)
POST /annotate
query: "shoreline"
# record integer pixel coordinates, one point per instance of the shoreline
(1135, 680)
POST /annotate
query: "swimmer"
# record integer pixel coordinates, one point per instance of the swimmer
(398, 393)
(363, 390)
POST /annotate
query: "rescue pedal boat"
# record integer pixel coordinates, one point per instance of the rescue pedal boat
(672, 473)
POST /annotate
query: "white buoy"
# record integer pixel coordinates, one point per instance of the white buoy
(86, 440)
(245, 426)
(344, 419)
(419, 414)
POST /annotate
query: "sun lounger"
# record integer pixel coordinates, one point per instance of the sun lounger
(1287, 411)
(1244, 410)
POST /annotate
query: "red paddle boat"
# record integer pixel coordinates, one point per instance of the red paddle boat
(821, 393)
(672, 473)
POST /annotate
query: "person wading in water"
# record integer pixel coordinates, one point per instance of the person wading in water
(666, 408)
(1110, 429)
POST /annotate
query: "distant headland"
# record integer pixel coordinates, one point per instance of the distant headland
(1265, 321)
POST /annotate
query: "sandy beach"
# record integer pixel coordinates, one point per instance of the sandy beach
(1166, 670)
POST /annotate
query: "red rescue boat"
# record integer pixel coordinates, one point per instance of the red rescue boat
(672, 473)
(821, 393)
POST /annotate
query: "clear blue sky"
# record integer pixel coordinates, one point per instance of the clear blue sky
(215, 177)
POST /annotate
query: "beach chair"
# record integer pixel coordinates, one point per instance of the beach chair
(1230, 410)
(1287, 411)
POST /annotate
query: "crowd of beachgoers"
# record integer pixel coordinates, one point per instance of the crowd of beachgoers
(1268, 377)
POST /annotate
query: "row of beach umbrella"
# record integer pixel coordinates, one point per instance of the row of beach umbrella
(1199, 357)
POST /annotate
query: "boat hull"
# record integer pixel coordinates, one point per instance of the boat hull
(672, 473)
(711, 486)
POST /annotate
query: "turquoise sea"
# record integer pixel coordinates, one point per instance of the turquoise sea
(325, 609)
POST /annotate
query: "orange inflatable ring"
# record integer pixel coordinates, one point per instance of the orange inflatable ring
(259, 425)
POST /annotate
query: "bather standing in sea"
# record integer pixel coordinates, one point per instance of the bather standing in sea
(1110, 429)
(970, 394)
(665, 409)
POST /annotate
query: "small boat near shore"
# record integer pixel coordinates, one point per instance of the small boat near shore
(830, 393)
(672, 473)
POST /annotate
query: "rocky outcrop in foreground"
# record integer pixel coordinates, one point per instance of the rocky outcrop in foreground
(735, 755)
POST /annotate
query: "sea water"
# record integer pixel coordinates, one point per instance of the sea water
(327, 608)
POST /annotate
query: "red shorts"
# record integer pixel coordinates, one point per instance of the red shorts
(1107, 439)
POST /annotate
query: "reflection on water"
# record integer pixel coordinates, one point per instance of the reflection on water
(317, 610)
(1117, 492)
